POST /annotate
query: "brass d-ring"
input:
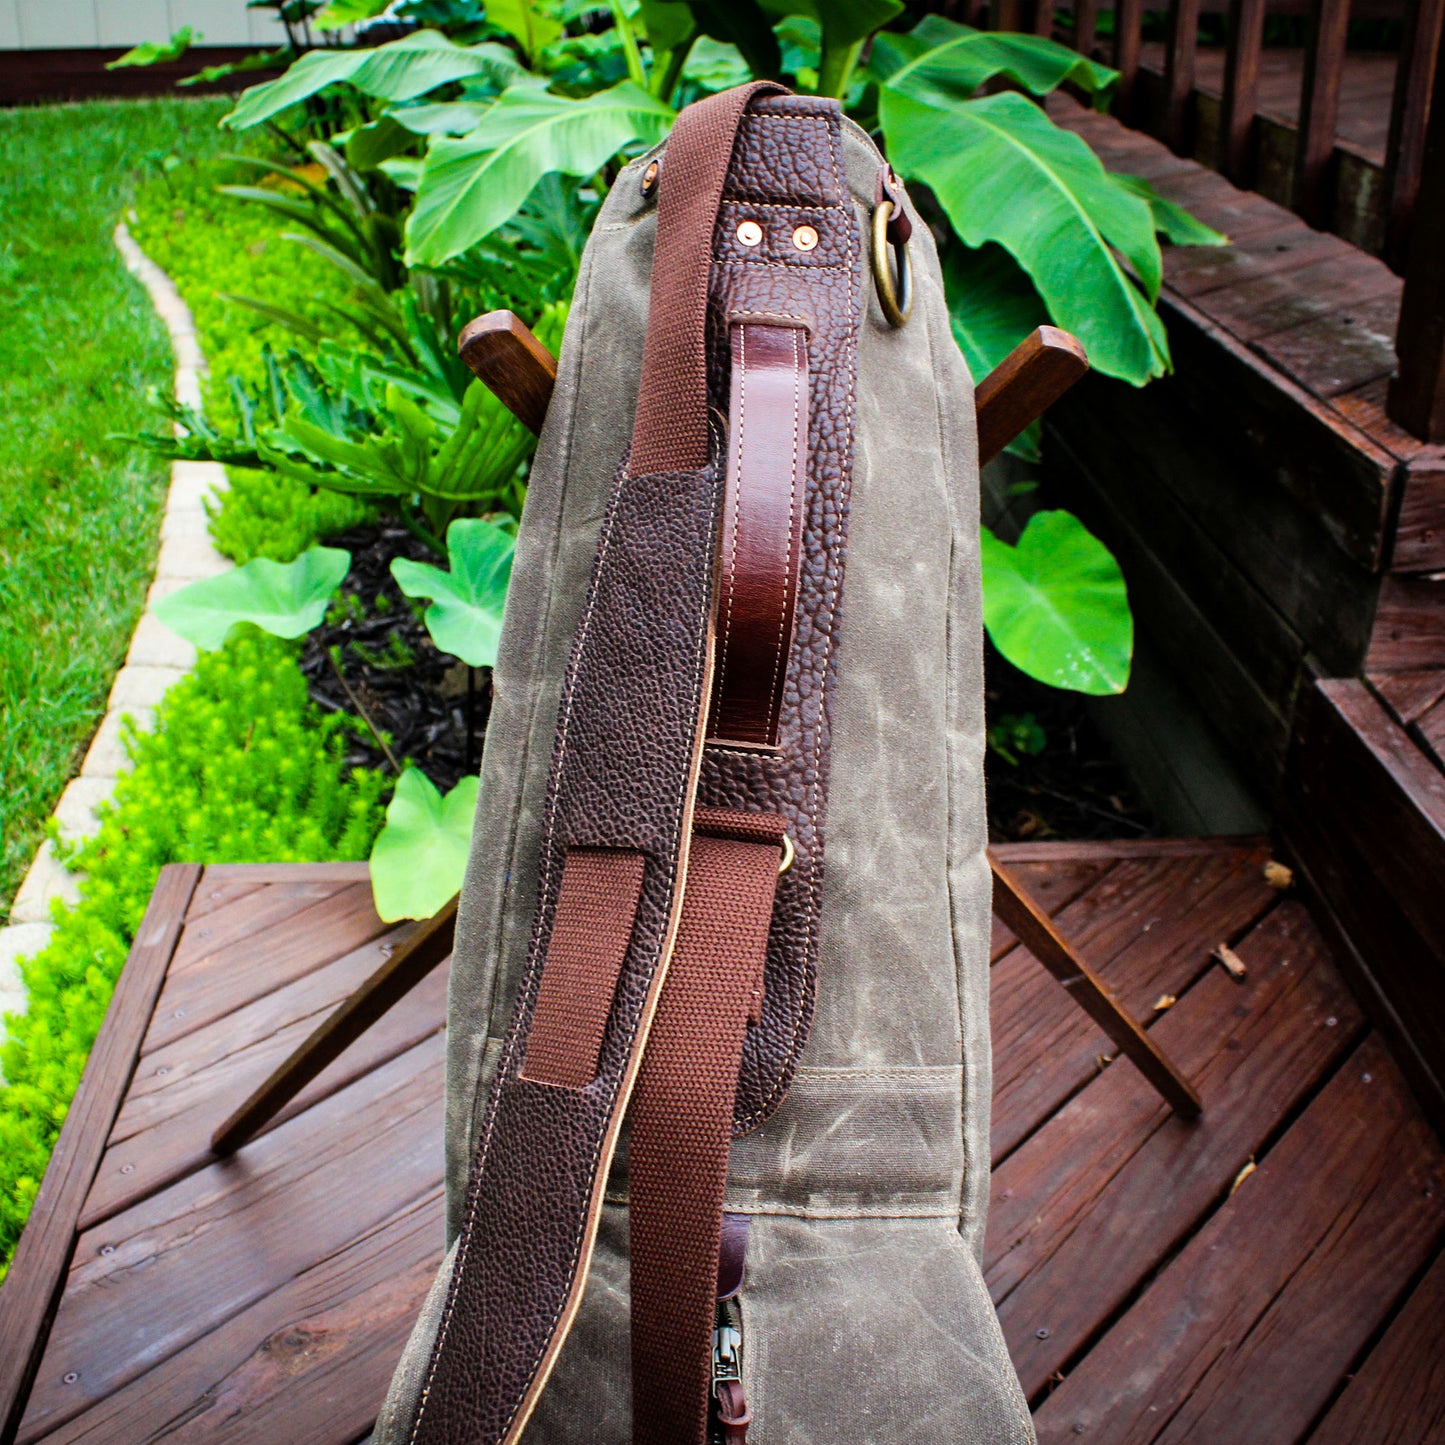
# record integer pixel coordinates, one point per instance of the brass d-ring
(896, 302)
(789, 853)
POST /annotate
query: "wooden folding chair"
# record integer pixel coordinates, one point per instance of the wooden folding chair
(505, 355)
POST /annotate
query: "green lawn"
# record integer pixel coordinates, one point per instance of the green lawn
(79, 514)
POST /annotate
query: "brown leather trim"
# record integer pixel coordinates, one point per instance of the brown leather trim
(596, 908)
(762, 531)
(681, 1126)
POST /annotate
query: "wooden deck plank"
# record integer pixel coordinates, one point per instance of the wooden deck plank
(1288, 298)
(1086, 1209)
(152, 1280)
(295, 944)
(209, 896)
(1248, 1330)
(164, 1130)
(1408, 694)
(1142, 928)
(1054, 885)
(30, 1295)
(309, 1362)
(1397, 1396)
(243, 917)
(1350, 346)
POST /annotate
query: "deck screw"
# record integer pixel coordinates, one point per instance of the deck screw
(107, 1249)
(1331, 1022)
(127, 1168)
(180, 1013)
(70, 1377)
(161, 1073)
(1078, 1429)
(1041, 1333)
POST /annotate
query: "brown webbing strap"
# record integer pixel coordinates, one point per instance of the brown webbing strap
(682, 1117)
(670, 431)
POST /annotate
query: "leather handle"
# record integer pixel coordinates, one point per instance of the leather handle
(762, 530)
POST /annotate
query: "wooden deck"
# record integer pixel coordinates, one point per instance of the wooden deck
(1272, 1273)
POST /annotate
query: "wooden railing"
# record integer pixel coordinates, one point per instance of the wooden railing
(1375, 202)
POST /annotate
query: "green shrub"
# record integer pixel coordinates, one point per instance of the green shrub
(241, 768)
(268, 515)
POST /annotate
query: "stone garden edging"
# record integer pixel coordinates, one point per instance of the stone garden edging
(156, 657)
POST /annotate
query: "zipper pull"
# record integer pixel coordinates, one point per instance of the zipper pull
(731, 1406)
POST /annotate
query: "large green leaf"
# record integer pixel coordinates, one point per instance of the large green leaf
(1056, 605)
(1172, 221)
(285, 599)
(992, 304)
(471, 185)
(465, 616)
(525, 22)
(420, 856)
(944, 62)
(1005, 173)
(399, 70)
(667, 22)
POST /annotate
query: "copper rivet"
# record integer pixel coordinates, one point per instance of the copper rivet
(805, 238)
(649, 179)
(750, 233)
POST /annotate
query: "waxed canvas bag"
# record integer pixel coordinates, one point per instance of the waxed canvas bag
(718, 1079)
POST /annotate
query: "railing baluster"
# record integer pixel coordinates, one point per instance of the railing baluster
(1241, 89)
(1319, 109)
(1418, 48)
(1005, 15)
(1128, 17)
(1044, 18)
(1180, 44)
(1417, 395)
(1086, 20)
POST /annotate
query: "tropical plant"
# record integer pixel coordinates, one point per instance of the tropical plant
(410, 432)
(418, 857)
(1034, 227)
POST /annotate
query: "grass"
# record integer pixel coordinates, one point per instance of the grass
(79, 514)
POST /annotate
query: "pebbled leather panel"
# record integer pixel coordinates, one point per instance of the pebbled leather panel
(762, 531)
(789, 154)
(628, 735)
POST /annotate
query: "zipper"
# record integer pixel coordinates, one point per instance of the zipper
(730, 1414)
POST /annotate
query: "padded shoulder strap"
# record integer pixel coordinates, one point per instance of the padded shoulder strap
(614, 853)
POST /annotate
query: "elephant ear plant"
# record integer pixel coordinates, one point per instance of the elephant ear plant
(475, 125)
(420, 853)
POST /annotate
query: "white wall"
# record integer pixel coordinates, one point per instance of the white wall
(80, 24)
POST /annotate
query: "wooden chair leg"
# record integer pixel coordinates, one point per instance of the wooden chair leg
(1035, 930)
(408, 964)
(506, 357)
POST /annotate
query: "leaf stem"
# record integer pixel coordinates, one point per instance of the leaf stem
(672, 73)
(361, 712)
(635, 67)
(835, 67)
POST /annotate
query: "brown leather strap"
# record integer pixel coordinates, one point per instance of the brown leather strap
(625, 764)
(669, 432)
(762, 534)
(682, 1117)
